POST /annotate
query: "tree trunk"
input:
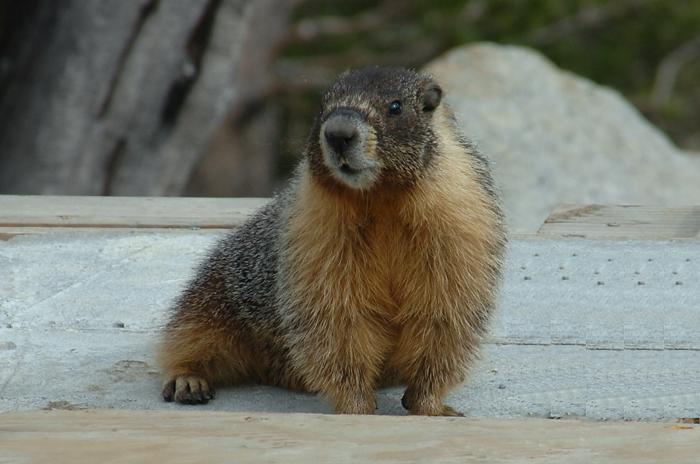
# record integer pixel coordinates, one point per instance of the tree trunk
(115, 97)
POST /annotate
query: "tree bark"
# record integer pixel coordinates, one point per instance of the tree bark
(114, 97)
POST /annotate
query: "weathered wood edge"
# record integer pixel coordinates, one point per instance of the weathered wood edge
(628, 222)
(83, 436)
(18, 211)
(41, 214)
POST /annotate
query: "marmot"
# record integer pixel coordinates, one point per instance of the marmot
(377, 265)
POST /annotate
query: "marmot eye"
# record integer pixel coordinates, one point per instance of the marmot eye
(395, 107)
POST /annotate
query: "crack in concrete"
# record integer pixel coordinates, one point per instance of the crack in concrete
(92, 277)
(18, 361)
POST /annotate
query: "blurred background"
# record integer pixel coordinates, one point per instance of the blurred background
(216, 97)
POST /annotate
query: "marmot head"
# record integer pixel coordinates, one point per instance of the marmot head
(375, 127)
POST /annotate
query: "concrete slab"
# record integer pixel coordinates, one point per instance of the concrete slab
(597, 329)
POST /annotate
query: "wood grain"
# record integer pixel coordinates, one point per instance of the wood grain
(33, 212)
(186, 437)
(622, 222)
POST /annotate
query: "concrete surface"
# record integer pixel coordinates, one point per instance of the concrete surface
(597, 329)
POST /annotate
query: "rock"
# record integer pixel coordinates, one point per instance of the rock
(555, 137)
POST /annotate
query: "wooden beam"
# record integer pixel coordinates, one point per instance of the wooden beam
(622, 222)
(183, 437)
(34, 212)
(31, 214)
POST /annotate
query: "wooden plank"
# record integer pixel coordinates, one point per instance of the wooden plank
(124, 212)
(174, 437)
(622, 222)
(31, 214)
(8, 233)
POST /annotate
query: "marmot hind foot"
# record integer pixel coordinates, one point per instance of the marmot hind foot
(441, 410)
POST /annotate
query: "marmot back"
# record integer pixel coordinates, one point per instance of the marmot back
(378, 264)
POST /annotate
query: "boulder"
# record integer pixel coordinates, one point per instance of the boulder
(555, 137)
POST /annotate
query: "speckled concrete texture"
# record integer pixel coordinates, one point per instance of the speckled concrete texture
(591, 328)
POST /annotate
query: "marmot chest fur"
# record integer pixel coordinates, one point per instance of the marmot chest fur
(378, 264)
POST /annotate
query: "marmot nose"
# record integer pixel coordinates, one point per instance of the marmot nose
(341, 133)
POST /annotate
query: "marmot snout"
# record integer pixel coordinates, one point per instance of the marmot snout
(378, 264)
(344, 142)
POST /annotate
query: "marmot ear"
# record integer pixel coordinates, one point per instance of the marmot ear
(431, 96)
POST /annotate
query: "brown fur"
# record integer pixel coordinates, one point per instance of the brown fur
(199, 343)
(407, 279)
(381, 287)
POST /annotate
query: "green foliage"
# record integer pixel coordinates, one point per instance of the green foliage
(619, 43)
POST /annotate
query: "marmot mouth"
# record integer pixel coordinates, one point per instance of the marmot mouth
(357, 177)
(347, 170)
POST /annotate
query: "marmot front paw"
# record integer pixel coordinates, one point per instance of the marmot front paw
(187, 390)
